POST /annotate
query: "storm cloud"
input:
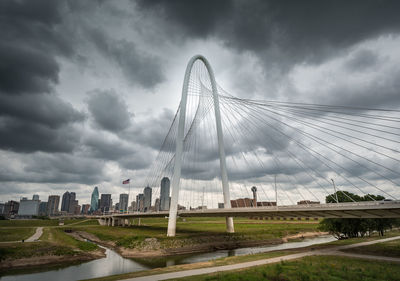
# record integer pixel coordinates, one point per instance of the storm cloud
(88, 90)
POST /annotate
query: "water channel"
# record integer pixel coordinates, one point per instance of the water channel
(113, 263)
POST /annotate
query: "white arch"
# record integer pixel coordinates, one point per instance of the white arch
(179, 147)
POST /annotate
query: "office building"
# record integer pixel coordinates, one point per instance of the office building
(157, 204)
(164, 194)
(140, 202)
(123, 202)
(147, 192)
(28, 208)
(11, 208)
(43, 209)
(77, 208)
(35, 197)
(94, 202)
(52, 205)
(68, 202)
(2, 205)
(85, 209)
(133, 206)
(105, 202)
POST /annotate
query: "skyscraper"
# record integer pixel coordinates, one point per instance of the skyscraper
(105, 202)
(94, 202)
(139, 202)
(164, 194)
(123, 202)
(52, 205)
(68, 202)
(43, 209)
(147, 198)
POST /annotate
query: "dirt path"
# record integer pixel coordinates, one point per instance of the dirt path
(331, 251)
(33, 238)
(36, 236)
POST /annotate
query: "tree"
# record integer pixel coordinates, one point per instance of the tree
(355, 227)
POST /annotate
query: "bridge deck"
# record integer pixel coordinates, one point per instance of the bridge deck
(378, 209)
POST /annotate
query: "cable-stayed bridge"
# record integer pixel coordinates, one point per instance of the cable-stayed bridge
(219, 147)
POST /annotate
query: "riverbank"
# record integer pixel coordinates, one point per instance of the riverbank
(195, 235)
(152, 247)
(303, 265)
(54, 248)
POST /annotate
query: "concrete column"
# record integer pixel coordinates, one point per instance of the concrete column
(138, 221)
(112, 221)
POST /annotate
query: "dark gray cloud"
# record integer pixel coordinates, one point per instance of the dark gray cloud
(54, 168)
(137, 66)
(109, 111)
(24, 136)
(362, 60)
(45, 109)
(294, 31)
(30, 41)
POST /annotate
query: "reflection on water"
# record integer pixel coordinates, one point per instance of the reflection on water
(112, 264)
(115, 264)
(236, 252)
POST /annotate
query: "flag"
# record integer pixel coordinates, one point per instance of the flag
(126, 181)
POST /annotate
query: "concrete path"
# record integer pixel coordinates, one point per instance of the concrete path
(36, 236)
(331, 251)
(33, 238)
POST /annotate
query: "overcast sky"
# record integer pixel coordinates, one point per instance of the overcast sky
(88, 89)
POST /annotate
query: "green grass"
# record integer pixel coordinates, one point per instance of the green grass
(27, 250)
(15, 234)
(54, 241)
(198, 231)
(312, 268)
(58, 236)
(48, 222)
(387, 249)
(28, 223)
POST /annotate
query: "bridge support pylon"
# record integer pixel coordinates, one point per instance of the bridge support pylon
(179, 148)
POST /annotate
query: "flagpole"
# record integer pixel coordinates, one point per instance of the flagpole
(129, 195)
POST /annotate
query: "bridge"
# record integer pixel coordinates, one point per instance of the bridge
(380, 209)
(306, 146)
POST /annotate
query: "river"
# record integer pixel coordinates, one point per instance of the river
(113, 263)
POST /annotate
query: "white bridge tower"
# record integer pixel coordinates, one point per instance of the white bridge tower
(179, 147)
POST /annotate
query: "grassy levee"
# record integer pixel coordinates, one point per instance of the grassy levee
(15, 234)
(329, 268)
(59, 237)
(54, 242)
(45, 222)
(387, 249)
(198, 230)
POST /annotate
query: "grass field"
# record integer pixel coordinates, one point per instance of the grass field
(54, 241)
(15, 234)
(329, 268)
(387, 249)
(52, 222)
(194, 230)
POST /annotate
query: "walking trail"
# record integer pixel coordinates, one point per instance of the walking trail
(331, 251)
(35, 237)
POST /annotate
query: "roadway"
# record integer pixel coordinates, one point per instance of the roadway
(370, 209)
